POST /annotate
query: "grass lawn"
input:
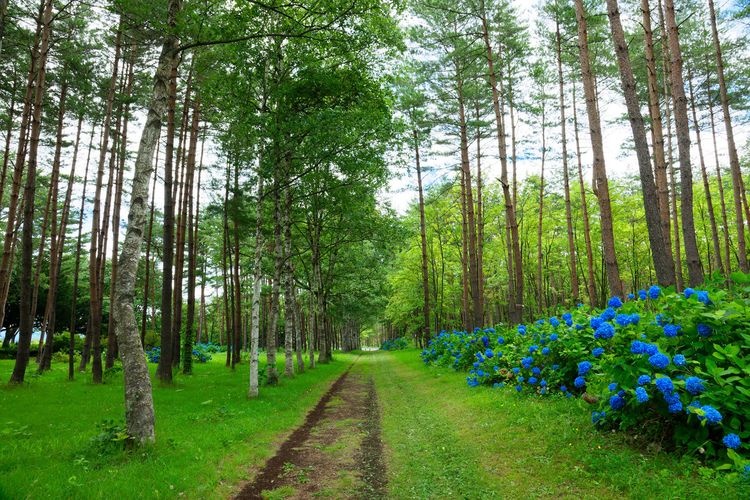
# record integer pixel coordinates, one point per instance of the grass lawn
(208, 434)
(444, 439)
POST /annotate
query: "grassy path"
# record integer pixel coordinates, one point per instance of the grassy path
(444, 439)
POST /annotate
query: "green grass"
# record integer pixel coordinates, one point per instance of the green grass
(444, 439)
(209, 435)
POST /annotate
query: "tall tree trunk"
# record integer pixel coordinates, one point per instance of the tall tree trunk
(719, 182)
(663, 261)
(657, 133)
(704, 176)
(272, 376)
(682, 127)
(516, 290)
(236, 287)
(289, 298)
(252, 390)
(187, 353)
(423, 240)
(27, 250)
(480, 229)
(147, 260)
(734, 162)
(164, 370)
(590, 277)
(539, 257)
(465, 305)
(8, 137)
(601, 184)
(566, 173)
(139, 408)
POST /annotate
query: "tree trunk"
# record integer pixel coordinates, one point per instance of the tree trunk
(187, 353)
(278, 262)
(539, 257)
(289, 298)
(236, 287)
(601, 184)
(719, 182)
(27, 250)
(566, 173)
(252, 390)
(139, 408)
(663, 261)
(682, 127)
(147, 279)
(423, 240)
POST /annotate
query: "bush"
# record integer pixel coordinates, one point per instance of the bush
(659, 364)
(396, 344)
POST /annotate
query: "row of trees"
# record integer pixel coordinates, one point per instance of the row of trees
(264, 128)
(476, 79)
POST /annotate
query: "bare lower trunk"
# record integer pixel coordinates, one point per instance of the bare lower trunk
(257, 276)
(289, 298)
(423, 240)
(139, 407)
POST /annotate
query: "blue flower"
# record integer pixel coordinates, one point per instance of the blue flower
(595, 321)
(654, 292)
(536, 371)
(616, 402)
(612, 387)
(554, 322)
(694, 385)
(704, 330)
(539, 322)
(500, 341)
(732, 441)
(520, 380)
(605, 331)
(579, 382)
(665, 385)
(661, 319)
(543, 383)
(659, 360)
(553, 337)
(608, 314)
(527, 362)
(711, 414)
(642, 294)
(598, 351)
(584, 367)
(568, 318)
(518, 388)
(485, 341)
(675, 407)
(476, 364)
(703, 297)
(532, 380)
(480, 373)
(516, 370)
(631, 296)
(641, 395)
(644, 379)
(615, 302)
(635, 318)
(689, 292)
(622, 319)
(555, 367)
(679, 360)
(637, 347)
(472, 381)
(522, 329)
(533, 349)
(597, 416)
(546, 351)
(652, 349)
(489, 353)
(563, 388)
(671, 330)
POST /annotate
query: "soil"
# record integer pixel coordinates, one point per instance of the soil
(336, 453)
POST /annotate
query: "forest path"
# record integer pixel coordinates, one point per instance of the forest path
(336, 453)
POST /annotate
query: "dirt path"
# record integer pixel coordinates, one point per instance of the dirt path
(336, 453)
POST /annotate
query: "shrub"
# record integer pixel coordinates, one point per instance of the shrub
(661, 364)
(396, 344)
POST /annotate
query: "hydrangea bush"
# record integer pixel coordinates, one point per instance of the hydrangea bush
(396, 344)
(658, 363)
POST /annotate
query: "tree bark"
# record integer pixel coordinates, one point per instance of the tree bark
(682, 127)
(253, 390)
(423, 240)
(601, 184)
(187, 353)
(663, 261)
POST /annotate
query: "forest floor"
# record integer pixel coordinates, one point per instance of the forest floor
(388, 427)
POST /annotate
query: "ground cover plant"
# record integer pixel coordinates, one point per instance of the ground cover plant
(671, 368)
(55, 444)
(396, 344)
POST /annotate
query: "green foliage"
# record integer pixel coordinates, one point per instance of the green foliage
(397, 344)
(658, 365)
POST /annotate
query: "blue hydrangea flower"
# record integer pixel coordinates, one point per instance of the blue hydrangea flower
(553, 337)
(642, 294)
(654, 292)
(604, 331)
(579, 326)
(612, 387)
(597, 416)
(533, 349)
(679, 360)
(616, 402)
(704, 330)
(532, 380)
(539, 322)
(644, 379)
(711, 414)
(536, 371)
(518, 388)
(554, 322)
(568, 318)
(500, 341)
(694, 385)
(520, 380)
(555, 367)
(476, 364)
(703, 297)
(522, 329)
(527, 362)
(635, 318)
(675, 407)
(671, 330)
(546, 351)
(563, 388)
(489, 353)
(659, 360)
(598, 351)
(608, 314)
(622, 319)
(637, 347)
(631, 296)
(480, 373)
(665, 385)
(543, 383)
(661, 319)
(641, 395)
(732, 441)
(615, 302)
(584, 367)
(516, 370)
(485, 341)
(651, 349)
(595, 321)
(579, 382)
(472, 381)
(689, 292)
